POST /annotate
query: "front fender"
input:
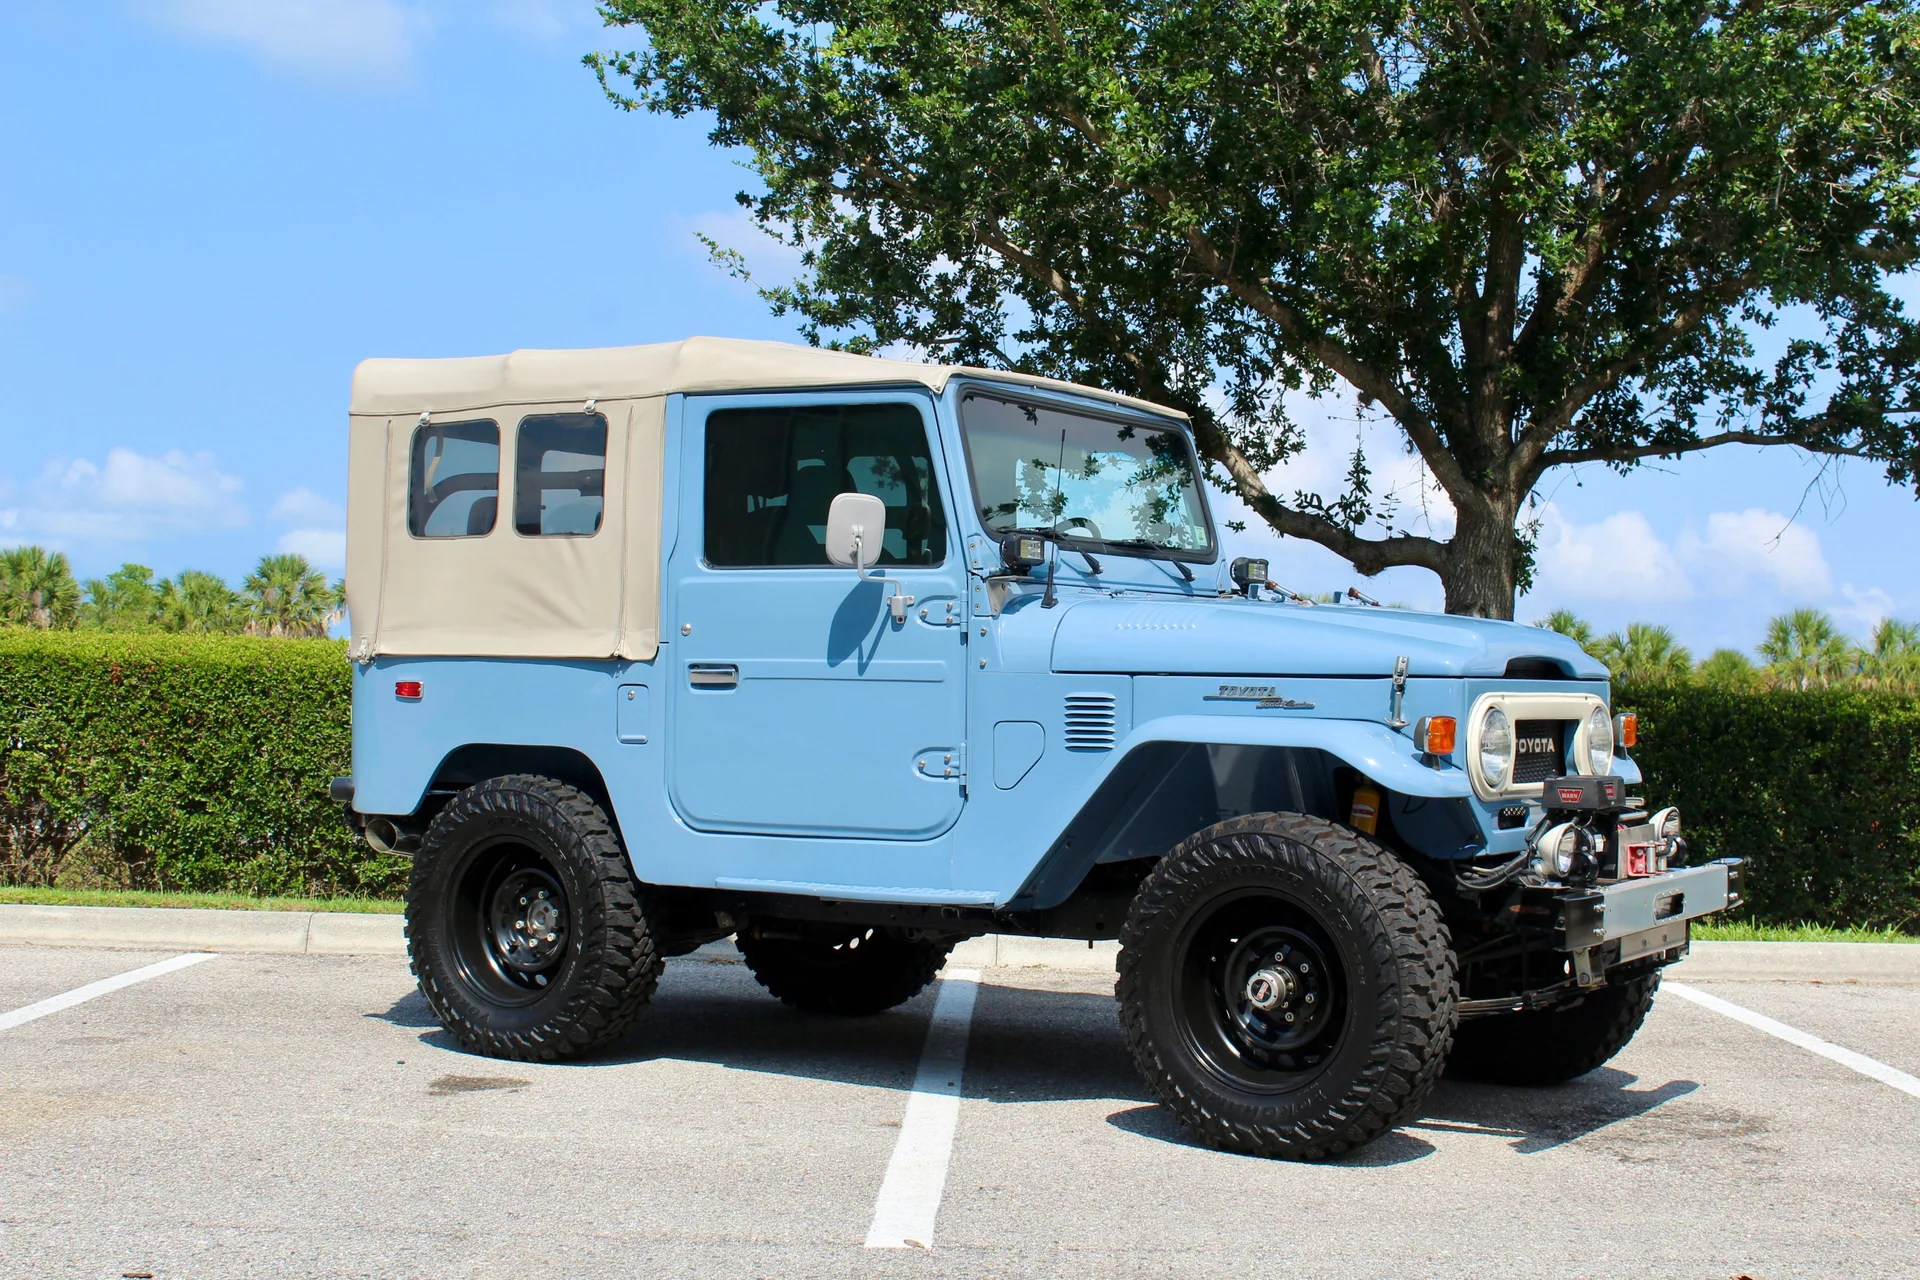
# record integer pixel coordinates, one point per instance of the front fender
(1366, 745)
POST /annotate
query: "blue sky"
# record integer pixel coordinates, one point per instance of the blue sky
(210, 210)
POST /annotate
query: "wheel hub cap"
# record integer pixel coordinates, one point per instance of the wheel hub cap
(529, 921)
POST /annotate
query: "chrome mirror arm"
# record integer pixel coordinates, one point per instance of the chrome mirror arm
(899, 602)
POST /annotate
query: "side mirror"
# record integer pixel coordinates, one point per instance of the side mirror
(856, 526)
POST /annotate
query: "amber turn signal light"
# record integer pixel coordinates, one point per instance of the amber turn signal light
(1626, 729)
(1435, 735)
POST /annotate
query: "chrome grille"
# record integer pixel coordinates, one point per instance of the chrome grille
(1091, 721)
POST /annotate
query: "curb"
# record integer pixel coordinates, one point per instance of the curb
(340, 933)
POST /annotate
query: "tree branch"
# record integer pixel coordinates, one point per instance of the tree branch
(1634, 453)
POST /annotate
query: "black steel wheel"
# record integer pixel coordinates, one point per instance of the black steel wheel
(1286, 987)
(524, 925)
(841, 969)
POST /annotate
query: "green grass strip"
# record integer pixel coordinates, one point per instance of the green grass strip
(1748, 931)
(216, 901)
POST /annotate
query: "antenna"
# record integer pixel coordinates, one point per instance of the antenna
(1049, 600)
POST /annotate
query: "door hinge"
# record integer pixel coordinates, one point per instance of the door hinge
(943, 762)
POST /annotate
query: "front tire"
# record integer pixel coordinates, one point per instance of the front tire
(1551, 1046)
(525, 928)
(850, 970)
(1287, 987)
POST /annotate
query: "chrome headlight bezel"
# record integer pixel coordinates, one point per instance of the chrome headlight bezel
(1491, 727)
(1597, 743)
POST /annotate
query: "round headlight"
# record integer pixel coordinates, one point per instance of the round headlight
(1599, 741)
(1495, 757)
(1554, 854)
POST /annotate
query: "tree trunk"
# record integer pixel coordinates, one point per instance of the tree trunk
(1479, 578)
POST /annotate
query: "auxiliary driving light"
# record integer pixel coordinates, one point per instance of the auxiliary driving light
(1555, 851)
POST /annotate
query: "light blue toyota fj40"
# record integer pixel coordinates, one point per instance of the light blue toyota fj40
(850, 659)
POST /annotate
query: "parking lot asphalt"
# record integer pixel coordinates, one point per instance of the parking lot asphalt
(305, 1116)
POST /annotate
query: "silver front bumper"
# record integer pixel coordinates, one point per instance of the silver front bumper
(1643, 913)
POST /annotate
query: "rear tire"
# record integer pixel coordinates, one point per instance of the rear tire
(849, 970)
(1286, 987)
(524, 925)
(1551, 1046)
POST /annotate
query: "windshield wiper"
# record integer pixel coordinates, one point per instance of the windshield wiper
(1141, 544)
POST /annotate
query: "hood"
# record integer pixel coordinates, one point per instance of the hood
(1243, 637)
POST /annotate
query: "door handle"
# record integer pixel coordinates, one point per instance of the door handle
(713, 675)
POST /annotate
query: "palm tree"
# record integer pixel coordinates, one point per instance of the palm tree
(1804, 650)
(1729, 669)
(287, 597)
(1892, 660)
(1568, 624)
(201, 603)
(1646, 654)
(37, 588)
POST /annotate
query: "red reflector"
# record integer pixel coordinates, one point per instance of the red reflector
(1568, 795)
(406, 689)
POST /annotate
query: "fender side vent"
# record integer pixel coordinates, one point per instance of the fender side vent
(1091, 721)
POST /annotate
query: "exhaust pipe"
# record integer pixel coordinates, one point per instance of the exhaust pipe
(388, 836)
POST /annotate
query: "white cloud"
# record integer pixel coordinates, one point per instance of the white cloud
(1863, 610)
(1617, 558)
(305, 507)
(1739, 545)
(352, 39)
(319, 528)
(324, 548)
(131, 496)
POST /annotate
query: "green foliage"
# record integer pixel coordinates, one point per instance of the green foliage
(37, 589)
(1645, 654)
(1892, 659)
(1533, 235)
(202, 901)
(1804, 650)
(178, 763)
(1729, 669)
(288, 597)
(1570, 625)
(1819, 788)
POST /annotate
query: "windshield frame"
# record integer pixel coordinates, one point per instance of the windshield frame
(1102, 413)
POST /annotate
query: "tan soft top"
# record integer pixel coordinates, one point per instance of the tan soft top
(662, 368)
(502, 594)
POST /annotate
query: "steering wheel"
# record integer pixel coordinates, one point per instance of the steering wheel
(1093, 530)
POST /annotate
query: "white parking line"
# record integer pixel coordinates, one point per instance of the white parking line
(80, 995)
(1793, 1035)
(910, 1194)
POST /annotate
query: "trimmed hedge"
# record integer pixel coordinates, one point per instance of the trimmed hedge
(178, 763)
(201, 764)
(1820, 789)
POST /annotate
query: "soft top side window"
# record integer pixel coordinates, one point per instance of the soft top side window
(453, 484)
(560, 475)
(771, 475)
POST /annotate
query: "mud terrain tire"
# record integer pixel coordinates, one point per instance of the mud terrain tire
(563, 975)
(848, 970)
(1358, 933)
(1551, 1046)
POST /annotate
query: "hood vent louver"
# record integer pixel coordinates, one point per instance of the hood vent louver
(1091, 721)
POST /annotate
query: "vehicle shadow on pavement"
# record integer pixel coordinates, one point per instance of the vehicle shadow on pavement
(1540, 1119)
(1026, 1045)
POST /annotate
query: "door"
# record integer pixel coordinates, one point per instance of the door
(798, 706)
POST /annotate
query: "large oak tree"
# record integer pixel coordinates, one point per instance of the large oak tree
(1535, 234)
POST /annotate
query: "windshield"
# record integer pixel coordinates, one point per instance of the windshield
(1082, 478)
